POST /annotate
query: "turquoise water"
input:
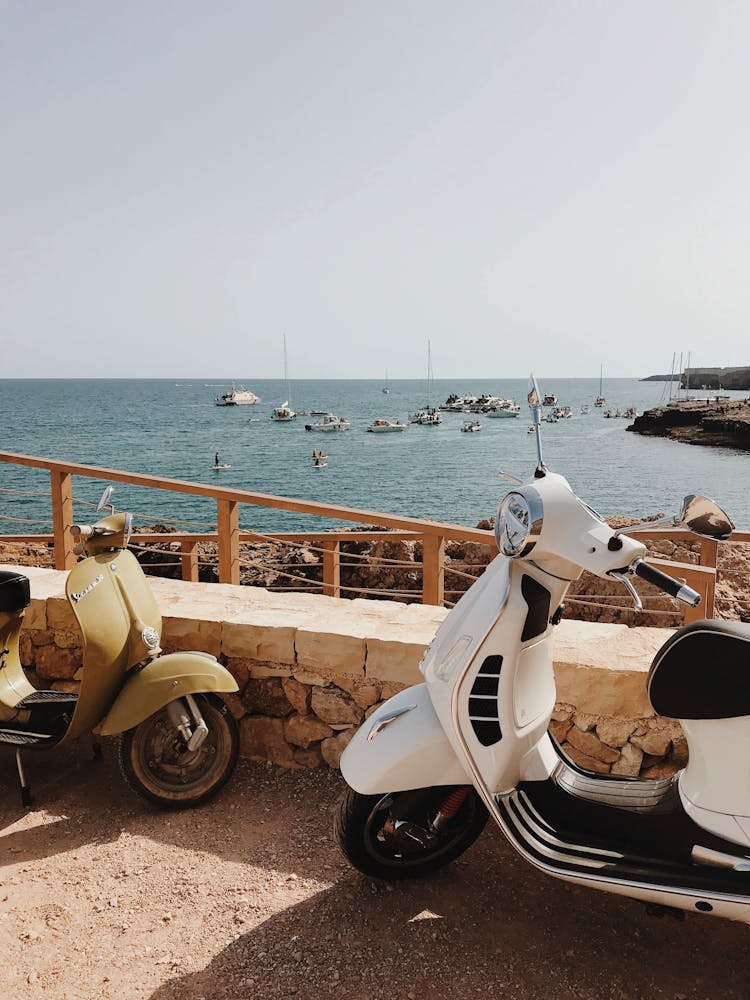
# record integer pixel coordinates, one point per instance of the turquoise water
(172, 428)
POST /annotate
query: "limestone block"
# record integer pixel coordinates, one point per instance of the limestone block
(258, 642)
(653, 742)
(70, 640)
(583, 760)
(562, 712)
(58, 663)
(240, 670)
(26, 649)
(615, 732)
(363, 692)
(679, 751)
(42, 637)
(391, 660)
(263, 739)
(298, 694)
(190, 634)
(35, 615)
(389, 688)
(315, 680)
(235, 703)
(602, 669)
(60, 615)
(659, 771)
(309, 758)
(590, 744)
(266, 697)
(331, 749)
(72, 687)
(585, 721)
(303, 730)
(330, 651)
(560, 729)
(630, 761)
(264, 668)
(333, 706)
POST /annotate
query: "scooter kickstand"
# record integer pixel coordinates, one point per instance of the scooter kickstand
(25, 789)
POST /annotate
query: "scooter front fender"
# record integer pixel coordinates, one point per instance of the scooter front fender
(402, 746)
(162, 680)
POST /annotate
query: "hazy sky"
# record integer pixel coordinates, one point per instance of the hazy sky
(544, 185)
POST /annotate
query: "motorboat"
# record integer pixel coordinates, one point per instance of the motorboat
(238, 397)
(458, 404)
(584, 409)
(562, 412)
(470, 426)
(329, 423)
(507, 408)
(386, 426)
(549, 400)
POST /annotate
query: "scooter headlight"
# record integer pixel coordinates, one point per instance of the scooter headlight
(519, 521)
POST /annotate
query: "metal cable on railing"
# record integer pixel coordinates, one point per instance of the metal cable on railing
(23, 520)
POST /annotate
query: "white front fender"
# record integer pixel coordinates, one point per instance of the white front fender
(402, 746)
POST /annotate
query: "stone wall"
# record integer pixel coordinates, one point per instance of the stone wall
(310, 669)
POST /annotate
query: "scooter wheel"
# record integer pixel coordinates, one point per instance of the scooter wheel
(392, 837)
(158, 766)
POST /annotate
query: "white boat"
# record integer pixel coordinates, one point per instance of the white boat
(386, 426)
(329, 423)
(549, 400)
(470, 426)
(284, 413)
(238, 397)
(562, 412)
(428, 416)
(386, 390)
(507, 408)
(600, 400)
(584, 409)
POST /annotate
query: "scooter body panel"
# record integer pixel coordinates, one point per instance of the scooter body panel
(162, 680)
(113, 604)
(14, 686)
(402, 746)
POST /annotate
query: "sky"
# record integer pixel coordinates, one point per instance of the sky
(542, 184)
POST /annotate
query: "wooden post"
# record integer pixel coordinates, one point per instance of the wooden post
(331, 567)
(229, 541)
(433, 569)
(709, 552)
(62, 519)
(700, 578)
(189, 559)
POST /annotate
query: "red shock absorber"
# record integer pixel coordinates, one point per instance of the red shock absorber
(450, 806)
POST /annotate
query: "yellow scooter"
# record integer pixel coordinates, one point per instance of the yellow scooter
(178, 741)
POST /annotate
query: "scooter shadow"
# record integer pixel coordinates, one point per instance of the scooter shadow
(79, 801)
(488, 926)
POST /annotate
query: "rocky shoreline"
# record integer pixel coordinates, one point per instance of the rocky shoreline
(722, 423)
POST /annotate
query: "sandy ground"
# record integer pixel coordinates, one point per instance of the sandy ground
(248, 897)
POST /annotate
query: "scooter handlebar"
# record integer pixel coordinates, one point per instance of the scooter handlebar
(667, 583)
(82, 530)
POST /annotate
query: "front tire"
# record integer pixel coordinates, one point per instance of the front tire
(365, 828)
(157, 765)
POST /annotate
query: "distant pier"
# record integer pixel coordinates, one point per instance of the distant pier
(710, 420)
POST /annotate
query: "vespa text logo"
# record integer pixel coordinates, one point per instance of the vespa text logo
(87, 590)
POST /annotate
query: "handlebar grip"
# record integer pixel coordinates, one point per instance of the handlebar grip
(667, 583)
(82, 530)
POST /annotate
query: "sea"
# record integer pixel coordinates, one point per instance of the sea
(172, 428)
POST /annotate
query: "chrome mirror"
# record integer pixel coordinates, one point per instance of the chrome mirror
(705, 517)
(104, 501)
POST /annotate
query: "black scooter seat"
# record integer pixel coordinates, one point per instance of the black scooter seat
(703, 672)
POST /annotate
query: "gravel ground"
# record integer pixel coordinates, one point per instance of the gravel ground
(248, 897)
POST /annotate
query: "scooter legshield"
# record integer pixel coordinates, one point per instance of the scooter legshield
(408, 749)
(161, 681)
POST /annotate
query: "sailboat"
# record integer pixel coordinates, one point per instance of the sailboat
(600, 400)
(386, 390)
(284, 413)
(428, 416)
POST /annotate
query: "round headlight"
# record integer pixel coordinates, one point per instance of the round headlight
(518, 523)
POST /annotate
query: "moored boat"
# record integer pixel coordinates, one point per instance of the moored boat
(238, 397)
(382, 426)
(470, 426)
(329, 423)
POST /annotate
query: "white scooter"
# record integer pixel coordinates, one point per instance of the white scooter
(431, 763)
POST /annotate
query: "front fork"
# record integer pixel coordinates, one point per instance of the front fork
(429, 837)
(186, 717)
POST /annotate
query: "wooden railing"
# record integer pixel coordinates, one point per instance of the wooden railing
(229, 537)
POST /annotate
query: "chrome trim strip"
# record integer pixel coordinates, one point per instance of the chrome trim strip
(635, 796)
(717, 859)
(522, 803)
(387, 719)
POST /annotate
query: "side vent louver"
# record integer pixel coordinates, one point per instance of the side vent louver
(483, 707)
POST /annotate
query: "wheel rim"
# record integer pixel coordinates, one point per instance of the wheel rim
(166, 767)
(384, 845)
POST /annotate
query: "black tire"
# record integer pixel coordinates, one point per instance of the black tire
(157, 765)
(361, 828)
